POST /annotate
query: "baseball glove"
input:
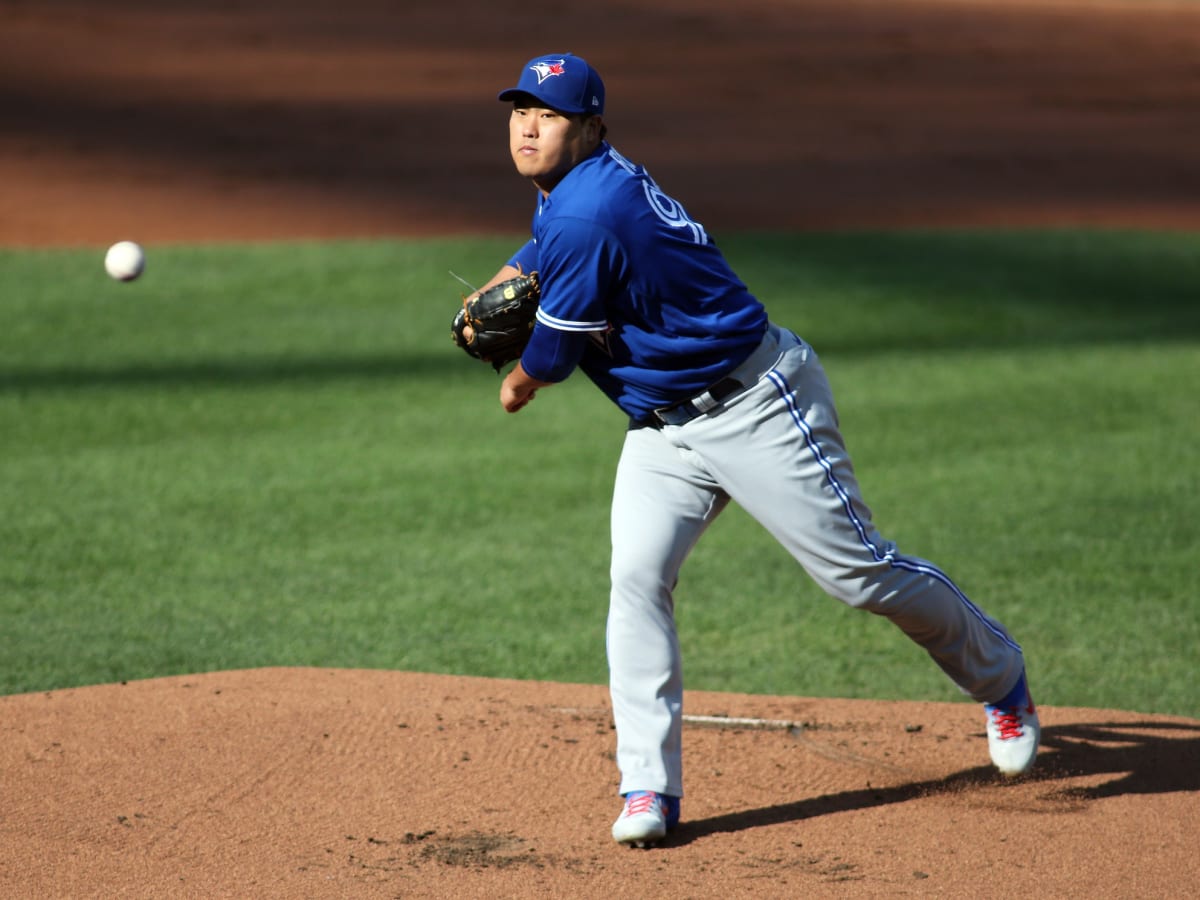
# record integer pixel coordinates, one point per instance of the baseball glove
(499, 319)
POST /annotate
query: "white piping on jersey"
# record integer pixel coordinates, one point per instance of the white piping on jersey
(896, 561)
(567, 325)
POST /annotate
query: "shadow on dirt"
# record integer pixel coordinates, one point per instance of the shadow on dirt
(1143, 757)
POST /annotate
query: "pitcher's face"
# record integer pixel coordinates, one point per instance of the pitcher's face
(547, 144)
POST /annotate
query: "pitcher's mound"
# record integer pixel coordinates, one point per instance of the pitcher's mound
(326, 783)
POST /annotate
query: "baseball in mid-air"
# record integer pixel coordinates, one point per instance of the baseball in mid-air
(125, 260)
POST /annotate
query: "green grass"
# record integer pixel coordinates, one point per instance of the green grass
(273, 455)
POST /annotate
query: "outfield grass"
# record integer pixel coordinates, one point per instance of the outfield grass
(273, 455)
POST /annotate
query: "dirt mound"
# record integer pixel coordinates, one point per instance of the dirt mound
(322, 783)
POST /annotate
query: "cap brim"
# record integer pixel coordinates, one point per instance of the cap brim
(515, 93)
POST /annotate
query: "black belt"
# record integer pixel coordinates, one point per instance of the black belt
(704, 402)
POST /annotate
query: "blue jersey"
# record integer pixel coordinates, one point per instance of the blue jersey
(633, 290)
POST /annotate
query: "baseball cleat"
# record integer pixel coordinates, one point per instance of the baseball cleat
(646, 818)
(1013, 731)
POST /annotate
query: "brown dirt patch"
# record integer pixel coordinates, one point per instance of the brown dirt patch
(172, 120)
(175, 121)
(324, 783)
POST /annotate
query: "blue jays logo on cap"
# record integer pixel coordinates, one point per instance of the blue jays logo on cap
(546, 70)
(561, 81)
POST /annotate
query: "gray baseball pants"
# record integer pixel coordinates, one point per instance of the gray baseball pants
(775, 450)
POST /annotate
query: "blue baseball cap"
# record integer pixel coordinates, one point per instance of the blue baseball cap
(561, 81)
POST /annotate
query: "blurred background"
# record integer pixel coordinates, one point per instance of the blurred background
(243, 119)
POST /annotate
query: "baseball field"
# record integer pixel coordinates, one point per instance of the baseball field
(291, 608)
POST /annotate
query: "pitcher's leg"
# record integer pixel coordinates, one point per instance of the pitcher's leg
(796, 478)
(661, 506)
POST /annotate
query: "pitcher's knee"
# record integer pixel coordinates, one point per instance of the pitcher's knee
(871, 588)
(640, 586)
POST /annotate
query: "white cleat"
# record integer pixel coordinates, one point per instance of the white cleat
(1013, 731)
(646, 818)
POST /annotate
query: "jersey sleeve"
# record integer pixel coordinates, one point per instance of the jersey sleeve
(526, 259)
(581, 264)
(552, 355)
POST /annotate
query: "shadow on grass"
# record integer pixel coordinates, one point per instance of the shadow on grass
(1143, 758)
(241, 373)
(962, 290)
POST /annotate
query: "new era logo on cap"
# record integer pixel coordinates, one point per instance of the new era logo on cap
(564, 82)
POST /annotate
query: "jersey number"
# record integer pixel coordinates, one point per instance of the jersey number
(668, 209)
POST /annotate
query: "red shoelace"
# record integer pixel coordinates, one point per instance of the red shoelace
(1008, 721)
(638, 805)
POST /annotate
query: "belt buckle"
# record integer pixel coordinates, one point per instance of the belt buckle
(660, 414)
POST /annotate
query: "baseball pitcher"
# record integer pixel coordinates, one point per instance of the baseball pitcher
(724, 405)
